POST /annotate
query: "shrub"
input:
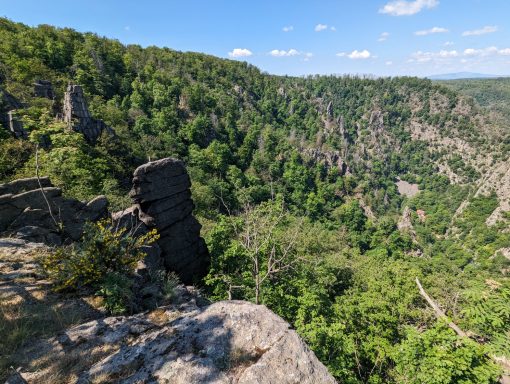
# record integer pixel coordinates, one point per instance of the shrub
(117, 293)
(102, 251)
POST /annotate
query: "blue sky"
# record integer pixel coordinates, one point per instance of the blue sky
(297, 37)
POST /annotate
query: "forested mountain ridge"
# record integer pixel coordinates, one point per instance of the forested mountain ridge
(310, 165)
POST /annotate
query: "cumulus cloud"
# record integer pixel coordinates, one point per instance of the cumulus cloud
(283, 53)
(389, 63)
(443, 56)
(289, 28)
(431, 31)
(364, 54)
(423, 57)
(291, 52)
(481, 31)
(448, 43)
(240, 52)
(320, 27)
(489, 51)
(407, 8)
(383, 37)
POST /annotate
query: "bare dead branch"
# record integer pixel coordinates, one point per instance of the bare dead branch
(439, 312)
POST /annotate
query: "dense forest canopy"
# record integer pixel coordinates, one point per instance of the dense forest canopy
(307, 166)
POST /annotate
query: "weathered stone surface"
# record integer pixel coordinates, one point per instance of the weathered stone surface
(44, 89)
(24, 211)
(226, 342)
(162, 200)
(77, 115)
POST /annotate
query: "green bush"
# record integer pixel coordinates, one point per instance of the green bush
(117, 293)
(101, 252)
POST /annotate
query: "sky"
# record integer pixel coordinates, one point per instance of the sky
(301, 37)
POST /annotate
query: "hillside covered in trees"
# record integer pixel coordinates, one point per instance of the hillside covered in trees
(296, 184)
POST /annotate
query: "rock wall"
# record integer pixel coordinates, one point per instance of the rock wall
(24, 212)
(162, 200)
(77, 115)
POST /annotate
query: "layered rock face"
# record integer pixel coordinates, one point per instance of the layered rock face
(77, 115)
(162, 200)
(226, 342)
(24, 212)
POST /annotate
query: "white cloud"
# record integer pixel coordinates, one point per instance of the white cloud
(481, 31)
(383, 37)
(282, 53)
(431, 31)
(389, 63)
(320, 27)
(484, 52)
(127, 28)
(444, 53)
(308, 56)
(448, 43)
(240, 52)
(407, 8)
(469, 54)
(359, 54)
(341, 54)
(424, 57)
(333, 28)
(289, 28)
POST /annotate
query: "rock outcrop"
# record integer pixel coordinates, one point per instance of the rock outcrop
(8, 105)
(331, 159)
(77, 115)
(225, 342)
(162, 200)
(44, 89)
(24, 212)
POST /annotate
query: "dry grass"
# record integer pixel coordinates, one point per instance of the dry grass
(29, 310)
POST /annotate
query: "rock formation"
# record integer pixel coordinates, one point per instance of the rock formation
(24, 212)
(331, 159)
(44, 89)
(16, 126)
(77, 115)
(226, 342)
(8, 104)
(162, 200)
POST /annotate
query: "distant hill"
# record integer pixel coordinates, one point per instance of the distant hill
(462, 75)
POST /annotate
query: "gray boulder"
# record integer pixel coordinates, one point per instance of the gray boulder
(225, 342)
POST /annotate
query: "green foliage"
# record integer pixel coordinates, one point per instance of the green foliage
(452, 360)
(115, 288)
(101, 252)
